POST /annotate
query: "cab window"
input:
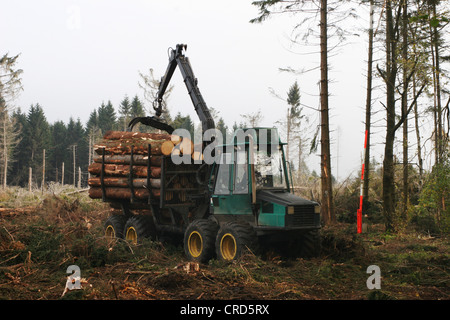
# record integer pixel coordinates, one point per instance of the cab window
(223, 175)
(240, 173)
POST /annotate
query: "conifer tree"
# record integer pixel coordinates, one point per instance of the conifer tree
(124, 111)
(10, 86)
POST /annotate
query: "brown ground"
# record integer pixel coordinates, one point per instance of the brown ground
(38, 242)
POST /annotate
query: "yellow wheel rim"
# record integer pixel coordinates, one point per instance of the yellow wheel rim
(228, 246)
(195, 244)
(131, 235)
(110, 233)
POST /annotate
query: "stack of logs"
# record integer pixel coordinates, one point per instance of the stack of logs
(119, 151)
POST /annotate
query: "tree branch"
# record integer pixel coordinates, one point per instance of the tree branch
(402, 119)
(382, 73)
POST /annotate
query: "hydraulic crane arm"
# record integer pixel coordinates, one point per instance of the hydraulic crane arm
(177, 58)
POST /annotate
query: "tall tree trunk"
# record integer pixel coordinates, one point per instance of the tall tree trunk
(437, 71)
(436, 147)
(5, 149)
(288, 134)
(388, 162)
(405, 109)
(327, 195)
(368, 112)
(419, 146)
(438, 106)
(416, 114)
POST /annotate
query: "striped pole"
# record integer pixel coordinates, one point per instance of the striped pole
(359, 212)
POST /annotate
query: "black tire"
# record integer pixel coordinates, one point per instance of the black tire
(199, 239)
(114, 226)
(234, 239)
(138, 228)
(310, 244)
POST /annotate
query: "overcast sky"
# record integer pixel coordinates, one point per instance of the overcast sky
(78, 54)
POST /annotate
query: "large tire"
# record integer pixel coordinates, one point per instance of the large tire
(234, 239)
(114, 226)
(199, 239)
(138, 228)
(310, 245)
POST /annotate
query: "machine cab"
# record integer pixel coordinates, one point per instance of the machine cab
(254, 160)
(251, 178)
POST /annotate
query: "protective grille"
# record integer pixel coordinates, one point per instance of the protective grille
(303, 216)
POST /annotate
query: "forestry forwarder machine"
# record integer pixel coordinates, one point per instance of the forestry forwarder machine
(235, 206)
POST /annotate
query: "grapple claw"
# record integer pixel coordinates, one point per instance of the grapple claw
(151, 122)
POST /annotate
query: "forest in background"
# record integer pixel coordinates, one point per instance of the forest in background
(407, 61)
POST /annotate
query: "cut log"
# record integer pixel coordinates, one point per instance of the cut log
(124, 170)
(186, 146)
(167, 147)
(124, 147)
(121, 193)
(123, 182)
(118, 142)
(138, 159)
(120, 135)
(116, 166)
(197, 155)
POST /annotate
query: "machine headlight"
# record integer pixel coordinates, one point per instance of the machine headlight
(290, 210)
(317, 209)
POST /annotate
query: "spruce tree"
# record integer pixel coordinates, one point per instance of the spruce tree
(37, 138)
(125, 112)
(106, 117)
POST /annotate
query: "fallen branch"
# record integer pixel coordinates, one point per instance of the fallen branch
(78, 191)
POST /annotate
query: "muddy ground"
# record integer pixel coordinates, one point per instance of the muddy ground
(38, 242)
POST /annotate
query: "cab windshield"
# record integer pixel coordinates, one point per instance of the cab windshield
(269, 169)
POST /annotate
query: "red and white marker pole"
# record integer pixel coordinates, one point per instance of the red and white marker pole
(359, 212)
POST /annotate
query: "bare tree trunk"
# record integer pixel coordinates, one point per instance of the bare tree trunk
(30, 178)
(43, 171)
(90, 151)
(436, 147)
(416, 116)
(419, 146)
(327, 208)
(368, 111)
(436, 85)
(405, 108)
(288, 134)
(79, 177)
(5, 151)
(388, 162)
(438, 105)
(74, 165)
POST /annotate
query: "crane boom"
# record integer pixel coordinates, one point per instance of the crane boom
(177, 58)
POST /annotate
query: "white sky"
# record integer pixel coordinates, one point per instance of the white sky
(77, 54)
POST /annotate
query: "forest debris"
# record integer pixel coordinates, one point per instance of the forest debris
(7, 212)
(425, 237)
(71, 280)
(189, 267)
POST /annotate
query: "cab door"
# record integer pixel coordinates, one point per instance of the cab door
(231, 190)
(222, 187)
